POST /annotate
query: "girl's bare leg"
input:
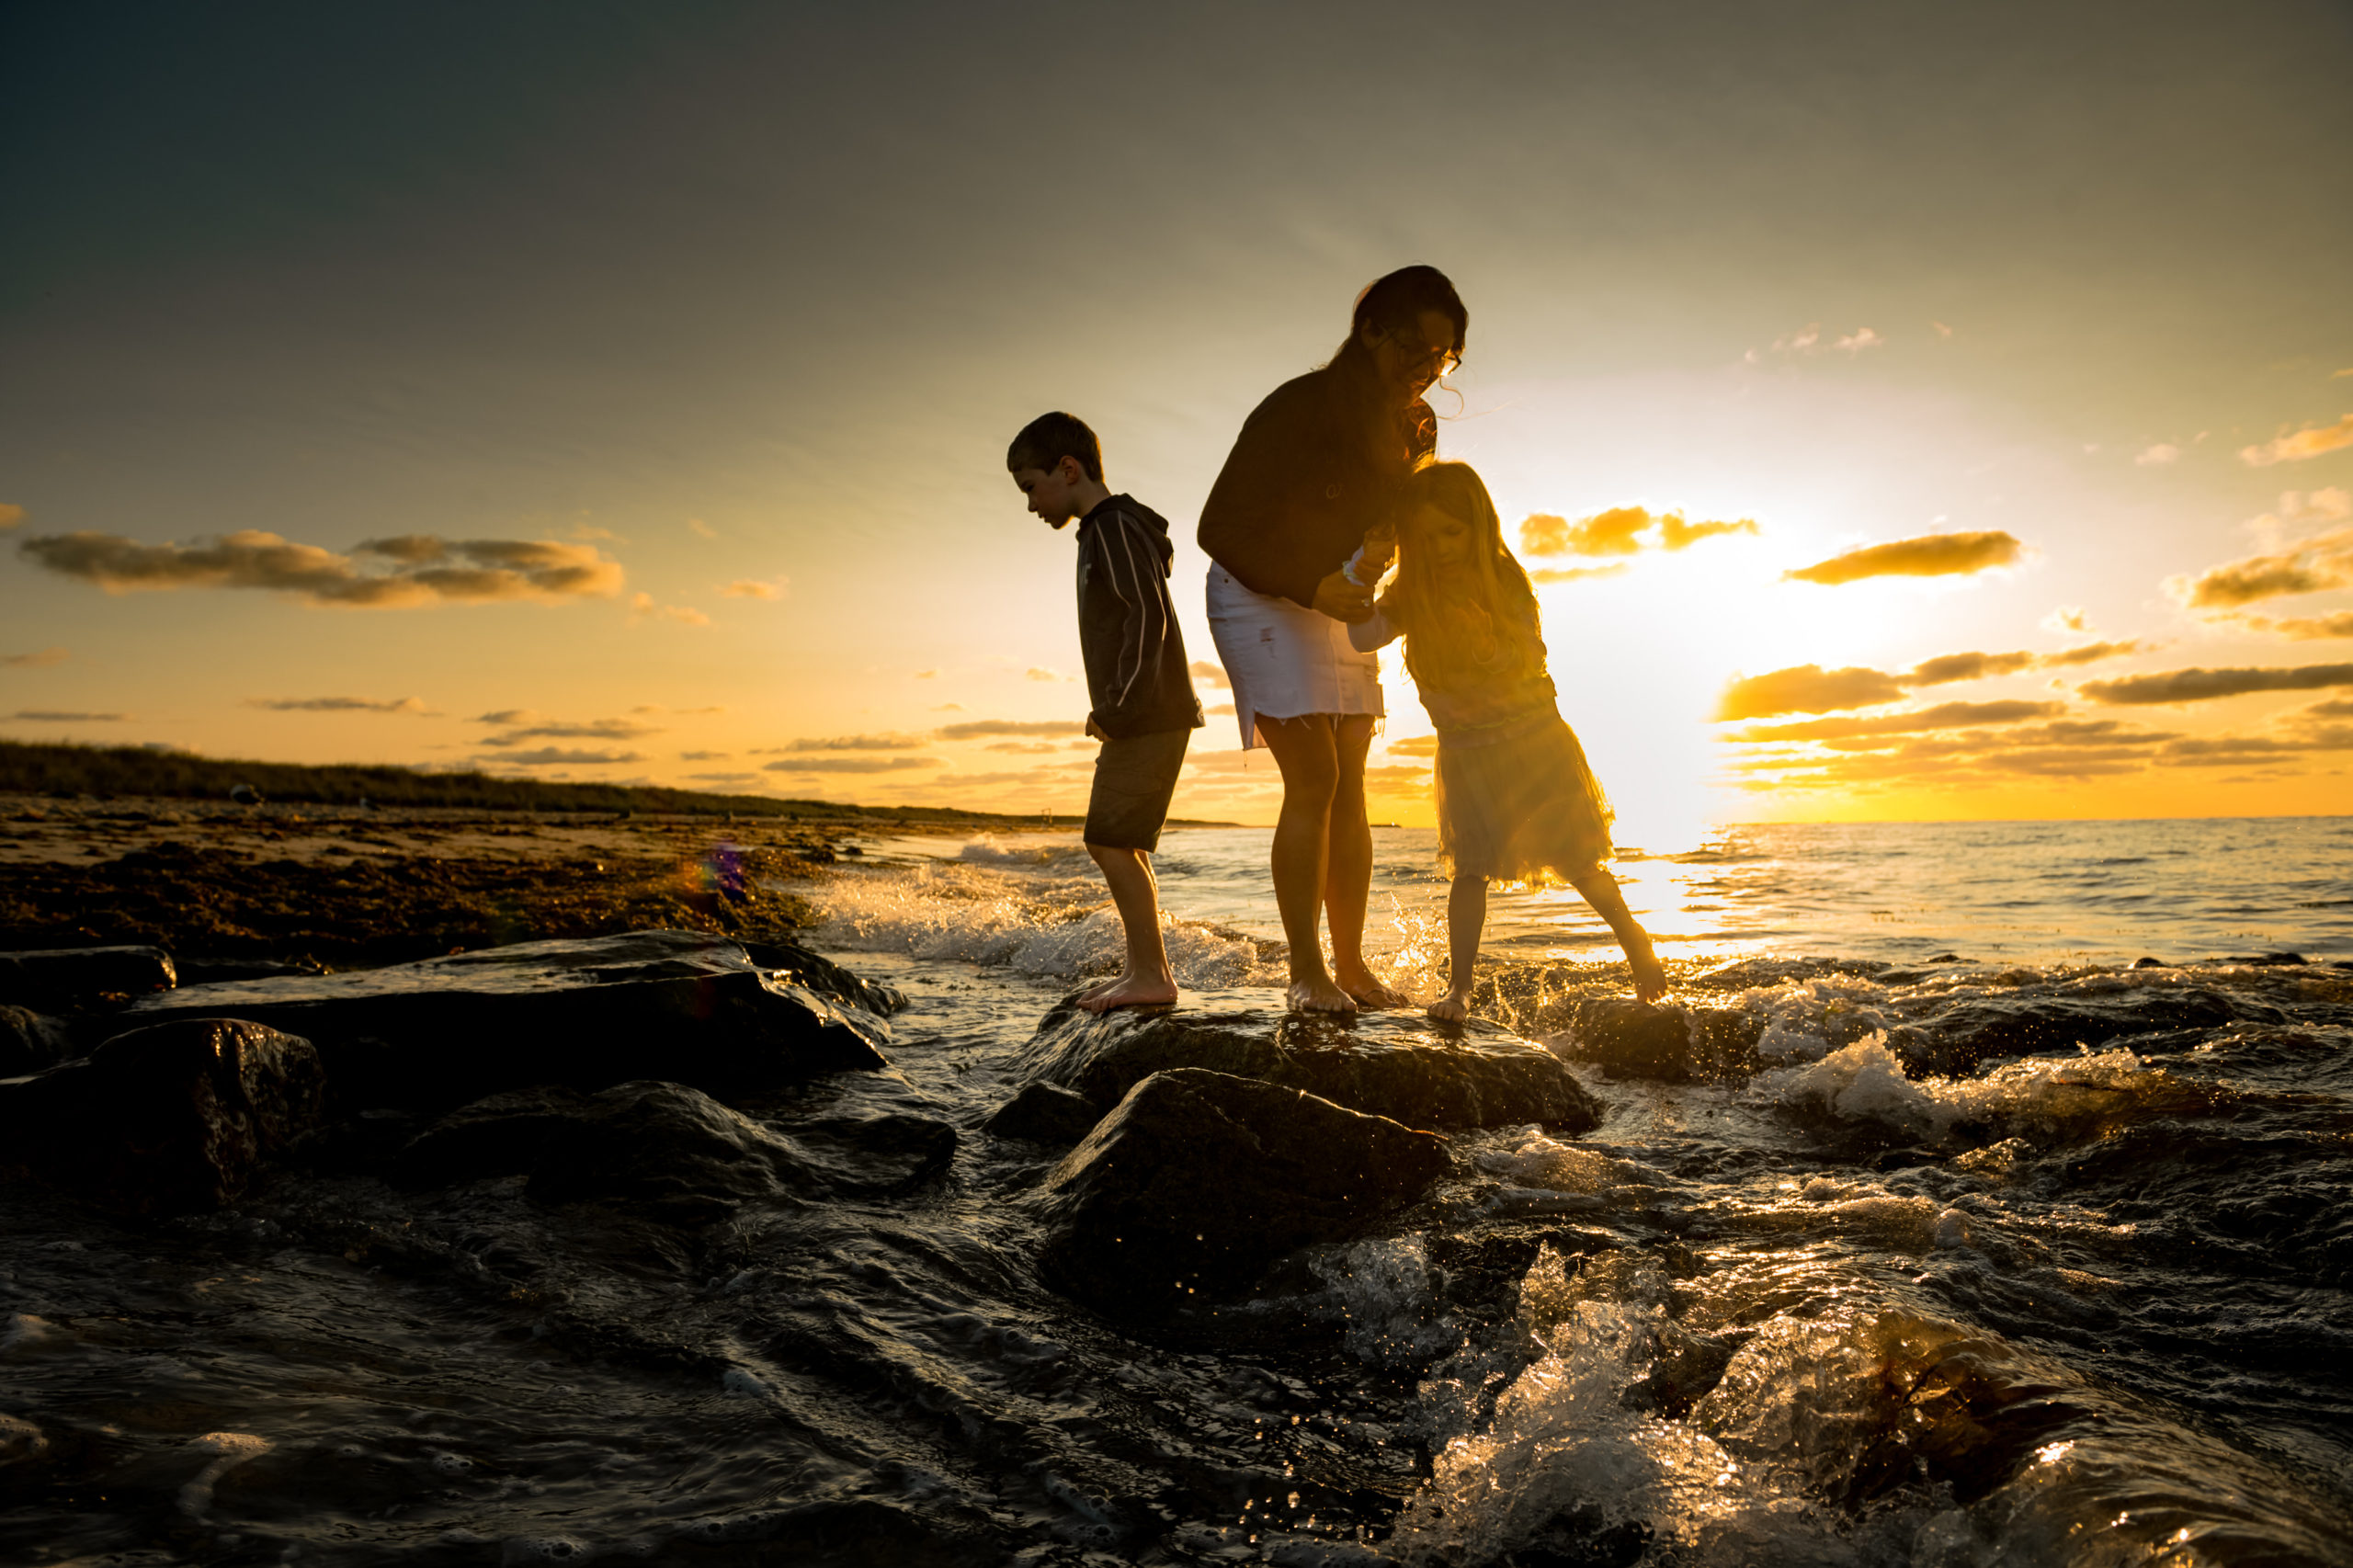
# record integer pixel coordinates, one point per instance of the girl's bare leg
(1306, 751)
(1466, 917)
(1600, 889)
(1347, 868)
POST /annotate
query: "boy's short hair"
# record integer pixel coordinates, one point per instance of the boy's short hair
(1046, 440)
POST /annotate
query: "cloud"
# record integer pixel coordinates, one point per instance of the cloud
(757, 588)
(2090, 653)
(724, 777)
(1800, 342)
(2302, 629)
(1201, 669)
(2316, 440)
(700, 529)
(850, 764)
(1863, 337)
(2326, 505)
(2157, 454)
(10, 514)
(708, 756)
(338, 704)
(50, 716)
(41, 660)
(1218, 710)
(2206, 686)
(590, 730)
(1944, 716)
(1930, 555)
(642, 604)
(1395, 777)
(1414, 745)
(550, 756)
(853, 743)
(1951, 667)
(981, 729)
(1036, 673)
(2066, 618)
(1807, 689)
(2305, 566)
(1574, 574)
(1617, 531)
(424, 568)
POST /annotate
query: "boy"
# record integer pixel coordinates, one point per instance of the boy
(1144, 708)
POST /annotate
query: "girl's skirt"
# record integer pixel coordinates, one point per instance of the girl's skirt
(1285, 661)
(1519, 803)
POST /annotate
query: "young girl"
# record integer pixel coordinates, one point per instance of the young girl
(1515, 797)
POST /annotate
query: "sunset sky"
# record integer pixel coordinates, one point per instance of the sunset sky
(622, 392)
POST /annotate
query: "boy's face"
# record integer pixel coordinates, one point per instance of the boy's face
(1050, 490)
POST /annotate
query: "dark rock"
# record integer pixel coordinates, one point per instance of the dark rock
(665, 1143)
(208, 971)
(1959, 1039)
(176, 1119)
(2263, 960)
(586, 1013)
(1946, 958)
(822, 975)
(2148, 963)
(29, 1042)
(1046, 1113)
(1399, 1065)
(1747, 975)
(1668, 1044)
(65, 976)
(1196, 1180)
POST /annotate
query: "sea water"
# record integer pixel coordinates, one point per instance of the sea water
(2085, 1306)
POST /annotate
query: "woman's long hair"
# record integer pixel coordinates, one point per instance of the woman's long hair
(1476, 624)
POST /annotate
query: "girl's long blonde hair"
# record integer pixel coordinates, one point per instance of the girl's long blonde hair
(1477, 623)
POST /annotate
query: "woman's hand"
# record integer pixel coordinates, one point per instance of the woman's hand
(1343, 600)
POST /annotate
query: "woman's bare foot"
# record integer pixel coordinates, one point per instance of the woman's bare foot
(1450, 1008)
(1318, 995)
(1368, 991)
(1650, 975)
(1130, 990)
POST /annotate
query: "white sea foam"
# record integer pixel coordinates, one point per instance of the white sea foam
(1807, 1019)
(2063, 1096)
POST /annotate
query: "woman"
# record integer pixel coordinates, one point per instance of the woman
(1318, 465)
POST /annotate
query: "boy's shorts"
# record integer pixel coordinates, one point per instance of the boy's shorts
(1133, 780)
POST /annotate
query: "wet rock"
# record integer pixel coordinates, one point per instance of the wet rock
(176, 1119)
(1671, 1044)
(1399, 1065)
(29, 1042)
(1960, 1038)
(1747, 975)
(663, 1142)
(822, 975)
(586, 1013)
(70, 976)
(1196, 1180)
(1046, 1113)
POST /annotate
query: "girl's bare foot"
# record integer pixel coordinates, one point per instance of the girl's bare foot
(1318, 995)
(1130, 990)
(1449, 1009)
(1650, 976)
(1369, 993)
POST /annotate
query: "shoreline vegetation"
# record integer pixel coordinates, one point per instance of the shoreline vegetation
(101, 845)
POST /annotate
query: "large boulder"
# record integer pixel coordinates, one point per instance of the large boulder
(586, 1013)
(1399, 1065)
(1196, 1180)
(67, 977)
(667, 1143)
(1673, 1044)
(175, 1118)
(1961, 1037)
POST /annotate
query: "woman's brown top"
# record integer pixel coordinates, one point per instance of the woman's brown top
(1316, 465)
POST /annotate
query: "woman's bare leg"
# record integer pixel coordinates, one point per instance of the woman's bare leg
(1600, 889)
(1305, 750)
(1347, 868)
(1466, 917)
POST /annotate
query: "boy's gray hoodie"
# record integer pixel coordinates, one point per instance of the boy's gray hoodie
(1128, 634)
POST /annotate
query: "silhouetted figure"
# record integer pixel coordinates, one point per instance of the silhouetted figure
(1515, 799)
(1316, 468)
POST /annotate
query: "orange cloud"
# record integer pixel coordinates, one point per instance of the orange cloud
(982, 729)
(2302, 629)
(1944, 716)
(1930, 555)
(850, 764)
(1807, 689)
(1574, 574)
(1201, 669)
(757, 588)
(1617, 531)
(2206, 686)
(2306, 566)
(2314, 441)
(10, 514)
(426, 569)
(50, 716)
(41, 660)
(337, 704)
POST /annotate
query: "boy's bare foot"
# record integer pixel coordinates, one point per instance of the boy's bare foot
(1650, 976)
(1449, 1009)
(1318, 995)
(1130, 990)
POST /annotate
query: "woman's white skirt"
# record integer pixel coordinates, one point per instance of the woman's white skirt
(1285, 661)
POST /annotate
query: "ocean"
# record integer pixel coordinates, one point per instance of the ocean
(2083, 1305)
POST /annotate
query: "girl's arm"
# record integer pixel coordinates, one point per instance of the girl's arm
(1378, 631)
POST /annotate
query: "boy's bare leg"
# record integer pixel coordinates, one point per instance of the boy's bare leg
(1466, 917)
(1347, 868)
(1146, 980)
(1600, 889)
(1304, 749)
